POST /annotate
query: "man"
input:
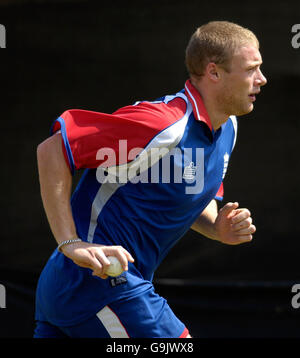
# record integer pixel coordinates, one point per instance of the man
(133, 203)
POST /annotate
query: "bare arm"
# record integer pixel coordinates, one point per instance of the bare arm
(205, 222)
(56, 184)
(229, 225)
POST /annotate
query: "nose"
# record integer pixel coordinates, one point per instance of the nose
(261, 79)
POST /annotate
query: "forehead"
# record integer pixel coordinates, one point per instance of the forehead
(246, 55)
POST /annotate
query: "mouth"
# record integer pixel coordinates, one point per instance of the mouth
(253, 96)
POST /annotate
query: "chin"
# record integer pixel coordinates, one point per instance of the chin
(244, 111)
(250, 109)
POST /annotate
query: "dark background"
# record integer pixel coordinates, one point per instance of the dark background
(104, 55)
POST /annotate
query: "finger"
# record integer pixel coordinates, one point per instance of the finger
(240, 215)
(103, 276)
(117, 251)
(228, 208)
(128, 255)
(245, 238)
(88, 261)
(96, 267)
(241, 210)
(247, 231)
(242, 224)
(120, 255)
(103, 260)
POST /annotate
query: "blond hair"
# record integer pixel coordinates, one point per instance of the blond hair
(216, 42)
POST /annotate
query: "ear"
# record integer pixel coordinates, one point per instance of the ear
(213, 72)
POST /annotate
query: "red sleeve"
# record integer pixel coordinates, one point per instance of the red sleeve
(85, 132)
(220, 193)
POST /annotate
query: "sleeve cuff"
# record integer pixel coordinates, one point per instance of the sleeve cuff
(59, 125)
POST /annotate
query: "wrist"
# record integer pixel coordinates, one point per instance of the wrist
(214, 233)
(217, 236)
(62, 245)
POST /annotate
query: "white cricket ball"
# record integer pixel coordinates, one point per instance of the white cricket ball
(114, 269)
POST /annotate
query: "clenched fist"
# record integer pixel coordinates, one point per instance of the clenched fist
(234, 226)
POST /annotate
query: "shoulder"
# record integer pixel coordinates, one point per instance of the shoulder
(160, 113)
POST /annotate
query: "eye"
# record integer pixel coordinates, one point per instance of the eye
(252, 69)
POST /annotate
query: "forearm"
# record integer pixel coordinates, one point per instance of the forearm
(55, 185)
(205, 223)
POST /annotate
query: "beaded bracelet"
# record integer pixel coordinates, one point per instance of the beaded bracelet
(67, 242)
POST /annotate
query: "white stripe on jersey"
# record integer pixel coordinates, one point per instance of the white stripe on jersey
(234, 122)
(195, 102)
(167, 138)
(112, 323)
(104, 194)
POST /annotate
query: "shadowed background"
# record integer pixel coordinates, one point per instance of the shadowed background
(101, 56)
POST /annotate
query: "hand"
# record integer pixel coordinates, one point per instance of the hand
(94, 256)
(234, 226)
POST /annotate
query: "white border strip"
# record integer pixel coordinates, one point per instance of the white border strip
(112, 323)
(195, 103)
(105, 192)
(234, 123)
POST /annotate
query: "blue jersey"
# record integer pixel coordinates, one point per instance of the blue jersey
(150, 170)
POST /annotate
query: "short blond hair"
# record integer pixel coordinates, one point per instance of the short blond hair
(216, 42)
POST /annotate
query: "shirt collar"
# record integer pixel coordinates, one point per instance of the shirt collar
(196, 101)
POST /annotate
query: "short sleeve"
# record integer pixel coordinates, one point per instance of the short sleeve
(84, 133)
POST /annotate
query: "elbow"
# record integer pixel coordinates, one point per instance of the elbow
(43, 149)
(50, 154)
(48, 147)
(40, 152)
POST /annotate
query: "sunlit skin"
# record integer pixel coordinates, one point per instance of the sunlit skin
(226, 93)
(243, 83)
(234, 92)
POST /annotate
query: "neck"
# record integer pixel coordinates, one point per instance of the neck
(216, 116)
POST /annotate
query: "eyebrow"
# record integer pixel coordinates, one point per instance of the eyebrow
(254, 64)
